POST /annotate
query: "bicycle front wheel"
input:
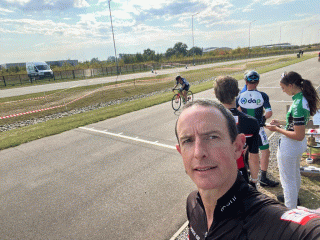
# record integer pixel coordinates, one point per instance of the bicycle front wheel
(176, 102)
(190, 96)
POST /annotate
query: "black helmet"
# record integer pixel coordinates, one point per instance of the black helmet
(252, 76)
(178, 77)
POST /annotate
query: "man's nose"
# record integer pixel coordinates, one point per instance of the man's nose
(200, 149)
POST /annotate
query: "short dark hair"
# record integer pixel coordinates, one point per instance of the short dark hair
(226, 89)
(231, 123)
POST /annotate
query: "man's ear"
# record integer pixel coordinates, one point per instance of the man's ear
(178, 148)
(239, 143)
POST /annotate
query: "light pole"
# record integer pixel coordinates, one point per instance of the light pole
(114, 43)
(193, 38)
(249, 37)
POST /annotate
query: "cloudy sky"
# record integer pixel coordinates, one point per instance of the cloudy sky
(81, 29)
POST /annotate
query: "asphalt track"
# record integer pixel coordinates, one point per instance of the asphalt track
(116, 179)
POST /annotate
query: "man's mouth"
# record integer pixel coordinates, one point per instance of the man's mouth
(204, 169)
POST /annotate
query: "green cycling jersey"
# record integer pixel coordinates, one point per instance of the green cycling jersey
(299, 112)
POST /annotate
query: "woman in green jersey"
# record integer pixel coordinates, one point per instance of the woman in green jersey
(293, 142)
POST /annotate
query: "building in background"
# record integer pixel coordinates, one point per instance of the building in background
(9, 65)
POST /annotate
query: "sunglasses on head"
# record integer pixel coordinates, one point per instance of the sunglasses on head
(284, 74)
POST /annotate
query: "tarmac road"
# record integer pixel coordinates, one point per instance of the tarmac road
(116, 179)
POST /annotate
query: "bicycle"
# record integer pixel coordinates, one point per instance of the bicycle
(177, 98)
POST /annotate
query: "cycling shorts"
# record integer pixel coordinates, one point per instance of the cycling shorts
(186, 88)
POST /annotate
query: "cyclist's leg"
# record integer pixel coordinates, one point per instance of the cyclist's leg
(264, 161)
(184, 94)
(254, 166)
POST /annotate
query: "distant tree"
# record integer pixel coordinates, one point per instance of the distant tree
(149, 54)
(169, 53)
(180, 49)
(111, 59)
(94, 60)
(197, 51)
(139, 57)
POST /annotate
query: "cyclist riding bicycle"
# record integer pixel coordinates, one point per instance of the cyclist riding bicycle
(184, 87)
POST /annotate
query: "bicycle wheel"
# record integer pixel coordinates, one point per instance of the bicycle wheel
(176, 102)
(190, 96)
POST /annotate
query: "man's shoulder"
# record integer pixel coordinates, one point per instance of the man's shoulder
(278, 222)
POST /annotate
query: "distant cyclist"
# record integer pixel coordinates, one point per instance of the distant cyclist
(255, 103)
(184, 87)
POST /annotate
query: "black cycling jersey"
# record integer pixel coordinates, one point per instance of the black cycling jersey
(249, 126)
(245, 213)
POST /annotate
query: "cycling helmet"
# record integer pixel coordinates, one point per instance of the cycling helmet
(178, 77)
(252, 76)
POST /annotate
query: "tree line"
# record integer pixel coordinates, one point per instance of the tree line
(179, 52)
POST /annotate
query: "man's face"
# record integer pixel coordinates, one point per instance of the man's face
(208, 154)
(252, 85)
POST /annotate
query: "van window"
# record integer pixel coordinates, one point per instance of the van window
(43, 67)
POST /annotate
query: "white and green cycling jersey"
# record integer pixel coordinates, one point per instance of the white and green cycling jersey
(299, 112)
(252, 102)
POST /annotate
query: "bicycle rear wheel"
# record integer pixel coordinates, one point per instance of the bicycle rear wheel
(176, 102)
(190, 96)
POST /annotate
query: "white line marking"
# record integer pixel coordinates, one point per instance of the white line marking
(179, 231)
(130, 138)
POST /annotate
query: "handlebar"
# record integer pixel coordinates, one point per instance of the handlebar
(176, 89)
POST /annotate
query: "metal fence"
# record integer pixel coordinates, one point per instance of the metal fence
(20, 79)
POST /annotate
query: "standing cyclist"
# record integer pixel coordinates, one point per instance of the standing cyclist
(226, 90)
(254, 103)
(184, 87)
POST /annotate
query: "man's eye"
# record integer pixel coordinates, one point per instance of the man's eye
(186, 141)
(213, 137)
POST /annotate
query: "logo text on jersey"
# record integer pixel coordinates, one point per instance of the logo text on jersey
(250, 100)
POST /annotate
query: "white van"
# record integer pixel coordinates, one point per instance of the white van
(38, 70)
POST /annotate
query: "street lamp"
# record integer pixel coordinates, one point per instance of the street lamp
(249, 37)
(114, 43)
(193, 37)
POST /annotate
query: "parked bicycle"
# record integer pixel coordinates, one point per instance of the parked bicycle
(177, 99)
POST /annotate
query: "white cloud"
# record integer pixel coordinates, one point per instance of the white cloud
(3, 10)
(80, 3)
(20, 2)
(277, 2)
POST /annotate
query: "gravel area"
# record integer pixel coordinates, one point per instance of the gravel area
(8, 127)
